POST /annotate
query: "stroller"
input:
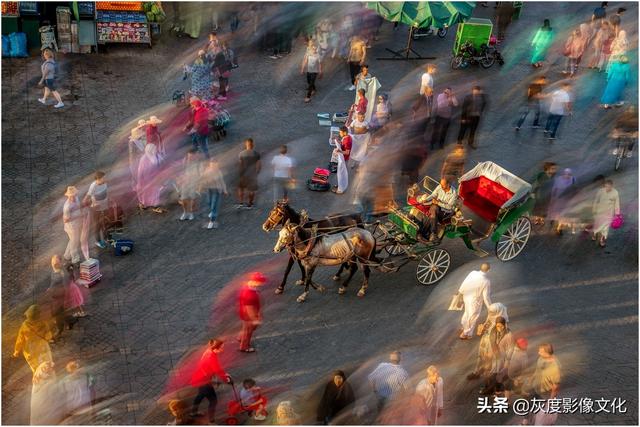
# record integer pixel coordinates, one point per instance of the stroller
(236, 410)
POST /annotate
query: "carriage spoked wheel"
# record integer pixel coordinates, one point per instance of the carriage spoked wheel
(394, 249)
(433, 266)
(513, 241)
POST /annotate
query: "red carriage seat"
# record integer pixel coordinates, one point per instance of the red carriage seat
(484, 197)
(422, 208)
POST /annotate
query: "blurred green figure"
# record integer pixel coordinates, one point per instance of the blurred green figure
(541, 43)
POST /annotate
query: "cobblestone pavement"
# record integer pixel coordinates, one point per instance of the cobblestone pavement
(176, 290)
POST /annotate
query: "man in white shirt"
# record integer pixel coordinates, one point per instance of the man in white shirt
(443, 203)
(560, 107)
(426, 89)
(475, 289)
(282, 174)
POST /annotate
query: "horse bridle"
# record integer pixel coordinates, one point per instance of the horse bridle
(278, 212)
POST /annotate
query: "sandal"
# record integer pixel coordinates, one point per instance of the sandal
(248, 350)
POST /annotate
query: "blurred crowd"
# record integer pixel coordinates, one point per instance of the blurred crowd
(376, 150)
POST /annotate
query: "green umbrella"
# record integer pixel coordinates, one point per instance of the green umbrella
(423, 14)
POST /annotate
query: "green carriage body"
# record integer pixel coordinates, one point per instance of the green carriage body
(475, 30)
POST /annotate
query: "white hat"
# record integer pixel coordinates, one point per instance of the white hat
(71, 191)
(153, 120)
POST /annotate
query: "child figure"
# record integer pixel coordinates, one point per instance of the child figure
(252, 399)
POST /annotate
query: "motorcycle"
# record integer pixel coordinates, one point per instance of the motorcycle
(469, 55)
(430, 31)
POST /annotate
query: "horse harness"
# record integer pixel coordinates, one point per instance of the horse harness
(312, 243)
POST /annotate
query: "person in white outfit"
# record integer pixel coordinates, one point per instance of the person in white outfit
(475, 289)
(72, 217)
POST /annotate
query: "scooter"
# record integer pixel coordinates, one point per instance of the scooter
(430, 31)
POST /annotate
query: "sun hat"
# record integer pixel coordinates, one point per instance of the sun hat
(153, 120)
(71, 191)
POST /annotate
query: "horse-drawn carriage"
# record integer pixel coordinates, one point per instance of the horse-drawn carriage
(488, 192)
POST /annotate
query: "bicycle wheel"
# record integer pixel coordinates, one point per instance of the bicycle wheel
(621, 152)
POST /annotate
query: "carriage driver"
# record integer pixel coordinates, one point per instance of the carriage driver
(442, 203)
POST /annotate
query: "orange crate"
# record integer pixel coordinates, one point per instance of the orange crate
(129, 6)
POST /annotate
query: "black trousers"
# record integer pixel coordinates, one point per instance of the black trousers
(471, 124)
(440, 129)
(224, 81)
(206, 391)
(311, 83)
(354, 70)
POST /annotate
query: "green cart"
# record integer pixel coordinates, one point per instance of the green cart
(475, 30)
(492, 194)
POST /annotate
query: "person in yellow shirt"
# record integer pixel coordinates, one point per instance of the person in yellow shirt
(33, 339)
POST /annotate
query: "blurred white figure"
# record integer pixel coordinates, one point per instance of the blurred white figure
(76, 388)
(475, 289)
(72, 218)
(46, 406)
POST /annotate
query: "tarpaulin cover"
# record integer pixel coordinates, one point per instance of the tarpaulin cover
(424, 14)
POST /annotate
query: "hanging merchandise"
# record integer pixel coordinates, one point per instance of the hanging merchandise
(122, 22)
(6, 46)
(18, 45)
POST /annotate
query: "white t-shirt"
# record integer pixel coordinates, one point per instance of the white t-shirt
(426, 82)
(98, 194)
(558, 100)
(281, 166)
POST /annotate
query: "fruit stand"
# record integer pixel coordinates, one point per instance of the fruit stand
(122, 22)
(10, 14)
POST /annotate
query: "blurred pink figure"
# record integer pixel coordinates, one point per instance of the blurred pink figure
(148, 188)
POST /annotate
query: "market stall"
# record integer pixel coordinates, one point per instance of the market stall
(10, 14)
(122, 22)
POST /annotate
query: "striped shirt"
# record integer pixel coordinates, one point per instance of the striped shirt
(388, 380)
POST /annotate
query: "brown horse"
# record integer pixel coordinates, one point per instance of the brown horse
(282, 212)
(354, 247)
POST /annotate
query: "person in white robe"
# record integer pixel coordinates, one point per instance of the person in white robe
(73, 224)
(371, 86)
(45, 397)
(360, 136)
(606, 206)
(475, 289)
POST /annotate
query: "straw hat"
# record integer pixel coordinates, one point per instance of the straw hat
(71, 191)
(153, 120)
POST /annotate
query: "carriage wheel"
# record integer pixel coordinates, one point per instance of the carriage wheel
(513, 241)
(433, 266)
(394, 249)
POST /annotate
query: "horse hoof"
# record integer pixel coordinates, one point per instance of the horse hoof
(300, 282)
(301, 299)
(361, 294)
(335, 278)
(321, 289)
(279, 291)
(341, 291)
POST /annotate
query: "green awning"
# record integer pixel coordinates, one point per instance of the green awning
(424, 14)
